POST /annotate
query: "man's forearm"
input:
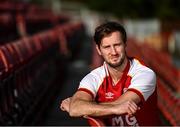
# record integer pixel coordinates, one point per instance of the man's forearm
(81, 104)
(81, 108)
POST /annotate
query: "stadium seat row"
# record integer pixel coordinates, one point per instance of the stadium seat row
(162, 64)
(28, 68)
(23, 64)
(168, 103)
(34, 43)
(18, 19)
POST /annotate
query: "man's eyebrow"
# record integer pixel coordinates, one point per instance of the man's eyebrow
(105, 45)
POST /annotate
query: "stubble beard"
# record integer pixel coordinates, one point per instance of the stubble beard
(115, 65)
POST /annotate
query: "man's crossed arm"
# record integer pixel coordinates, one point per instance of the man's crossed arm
(82, 104)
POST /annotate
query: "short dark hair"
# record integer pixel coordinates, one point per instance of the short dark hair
(106, 29)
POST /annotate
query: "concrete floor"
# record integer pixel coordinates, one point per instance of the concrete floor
(76, 70)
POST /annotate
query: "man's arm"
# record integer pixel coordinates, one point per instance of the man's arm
(82, 104)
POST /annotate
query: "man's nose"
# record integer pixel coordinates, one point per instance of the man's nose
(113, 50)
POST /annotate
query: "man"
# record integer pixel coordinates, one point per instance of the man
(122, 92)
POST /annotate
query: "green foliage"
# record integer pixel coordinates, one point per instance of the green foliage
(38, 2)
(162, 9)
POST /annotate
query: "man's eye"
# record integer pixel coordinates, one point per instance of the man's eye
(106, 47)
(117, 44)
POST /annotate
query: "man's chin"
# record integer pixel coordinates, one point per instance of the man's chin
(114, 64)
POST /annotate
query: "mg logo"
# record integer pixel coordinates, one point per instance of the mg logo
(127, 121)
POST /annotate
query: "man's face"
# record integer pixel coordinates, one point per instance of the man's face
(112, 49)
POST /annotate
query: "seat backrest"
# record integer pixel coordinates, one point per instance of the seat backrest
(1, 101)
(36, 40)
(2, 67)
(8, 58)
(4, 100)
(3, 63)
(27, 43)
(14, 54)
(18, 52)
(95, 122)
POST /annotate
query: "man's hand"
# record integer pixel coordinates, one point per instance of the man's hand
(65, 104)
(127, 107)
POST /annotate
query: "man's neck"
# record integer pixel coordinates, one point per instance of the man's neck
(117, 72)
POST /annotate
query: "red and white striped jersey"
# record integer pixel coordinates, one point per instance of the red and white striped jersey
(137, 78)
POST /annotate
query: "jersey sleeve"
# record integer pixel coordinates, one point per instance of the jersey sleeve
(88, 84)
(143, 83)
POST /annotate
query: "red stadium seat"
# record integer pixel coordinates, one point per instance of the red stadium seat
(95, 122)
(167, 102)
(8, 104)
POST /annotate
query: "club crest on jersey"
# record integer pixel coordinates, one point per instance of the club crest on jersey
(109, 95)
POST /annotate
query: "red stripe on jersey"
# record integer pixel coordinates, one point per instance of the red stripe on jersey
(138, 93)
(87, 91)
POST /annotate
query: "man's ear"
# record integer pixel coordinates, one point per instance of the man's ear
(98, 50)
